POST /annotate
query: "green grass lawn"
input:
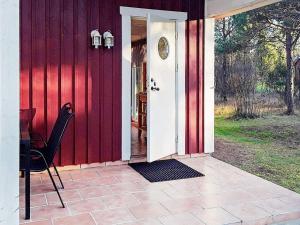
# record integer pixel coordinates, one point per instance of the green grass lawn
(268, 147)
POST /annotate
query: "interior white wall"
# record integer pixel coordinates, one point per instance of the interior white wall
(9, 112)
(222, 8)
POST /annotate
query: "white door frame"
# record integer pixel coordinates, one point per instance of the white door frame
(179, 18)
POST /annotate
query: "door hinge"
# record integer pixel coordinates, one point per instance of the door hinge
(176, 35)
(176, 68)
(176, 139)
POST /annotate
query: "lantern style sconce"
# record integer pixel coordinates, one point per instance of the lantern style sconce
(96, 38)
(108, 39)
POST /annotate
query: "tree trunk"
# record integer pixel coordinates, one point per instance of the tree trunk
(224, 78)
(224, 65)
(289, 92)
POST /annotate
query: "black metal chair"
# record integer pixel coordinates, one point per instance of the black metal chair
(42, 157)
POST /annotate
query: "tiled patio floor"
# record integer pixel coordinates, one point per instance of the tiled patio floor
(119, 195)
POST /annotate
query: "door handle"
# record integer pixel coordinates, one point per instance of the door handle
(154, 88)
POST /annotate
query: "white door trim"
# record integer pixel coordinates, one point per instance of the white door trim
(141, 12)
(179, 17)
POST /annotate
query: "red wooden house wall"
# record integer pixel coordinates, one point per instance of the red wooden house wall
(58, 65)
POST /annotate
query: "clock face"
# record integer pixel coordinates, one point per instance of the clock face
(163, 48)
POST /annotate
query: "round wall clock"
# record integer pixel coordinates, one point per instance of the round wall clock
(163, 48)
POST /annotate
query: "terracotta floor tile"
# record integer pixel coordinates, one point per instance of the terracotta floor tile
(114, 170)
(209, 200)
(151, 196)
(149, 211)
(67, 196)
(65, 176)
(35, 200)
(247, 212)
(128, 177)
(216, 216)
(120, 201)
(181, 205)
(92, 192)
(22, 216)
(34, 180)
(43, 222)
(180, 219)
(199, 186)
(263, 192)
(286, 217)
(144, 222)
(183, 184)
(112, 216)
(291, 199)
(41, 189)
(81, 219)
(277, 207)
(262, 221)
(84, 174)
(107, 173)
(48, 212)
(157, 186)
(102, 181)
(88, 205)
(127, 187)
(71, 185)
(114, 188)
(236, 197)
(181, 193)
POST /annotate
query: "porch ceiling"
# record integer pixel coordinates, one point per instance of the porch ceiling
(222, 8)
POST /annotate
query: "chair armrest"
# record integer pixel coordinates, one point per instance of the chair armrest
(41, 154)
(33, 153)
(36, 153)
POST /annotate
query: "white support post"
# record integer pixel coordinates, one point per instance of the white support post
(126, 84)
(209, 82)
(181, 88)
(9, 112)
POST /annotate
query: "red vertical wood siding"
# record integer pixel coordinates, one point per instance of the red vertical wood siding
(81, 50)
(94, 87)
(58, 65)
(53, 63)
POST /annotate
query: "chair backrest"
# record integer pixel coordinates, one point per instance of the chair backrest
(59, 128)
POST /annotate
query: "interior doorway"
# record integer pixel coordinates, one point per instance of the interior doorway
(138, 87)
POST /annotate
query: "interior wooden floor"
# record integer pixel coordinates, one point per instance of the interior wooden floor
(138, 146)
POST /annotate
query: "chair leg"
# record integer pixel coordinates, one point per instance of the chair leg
(56, 189)
(61, 183)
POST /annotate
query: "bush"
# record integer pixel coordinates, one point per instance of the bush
(243, 82)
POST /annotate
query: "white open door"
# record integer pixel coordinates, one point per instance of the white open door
(161, 75)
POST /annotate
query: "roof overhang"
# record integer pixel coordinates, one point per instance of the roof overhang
(222, 8)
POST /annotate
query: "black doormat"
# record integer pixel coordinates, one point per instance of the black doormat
(165, 170)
